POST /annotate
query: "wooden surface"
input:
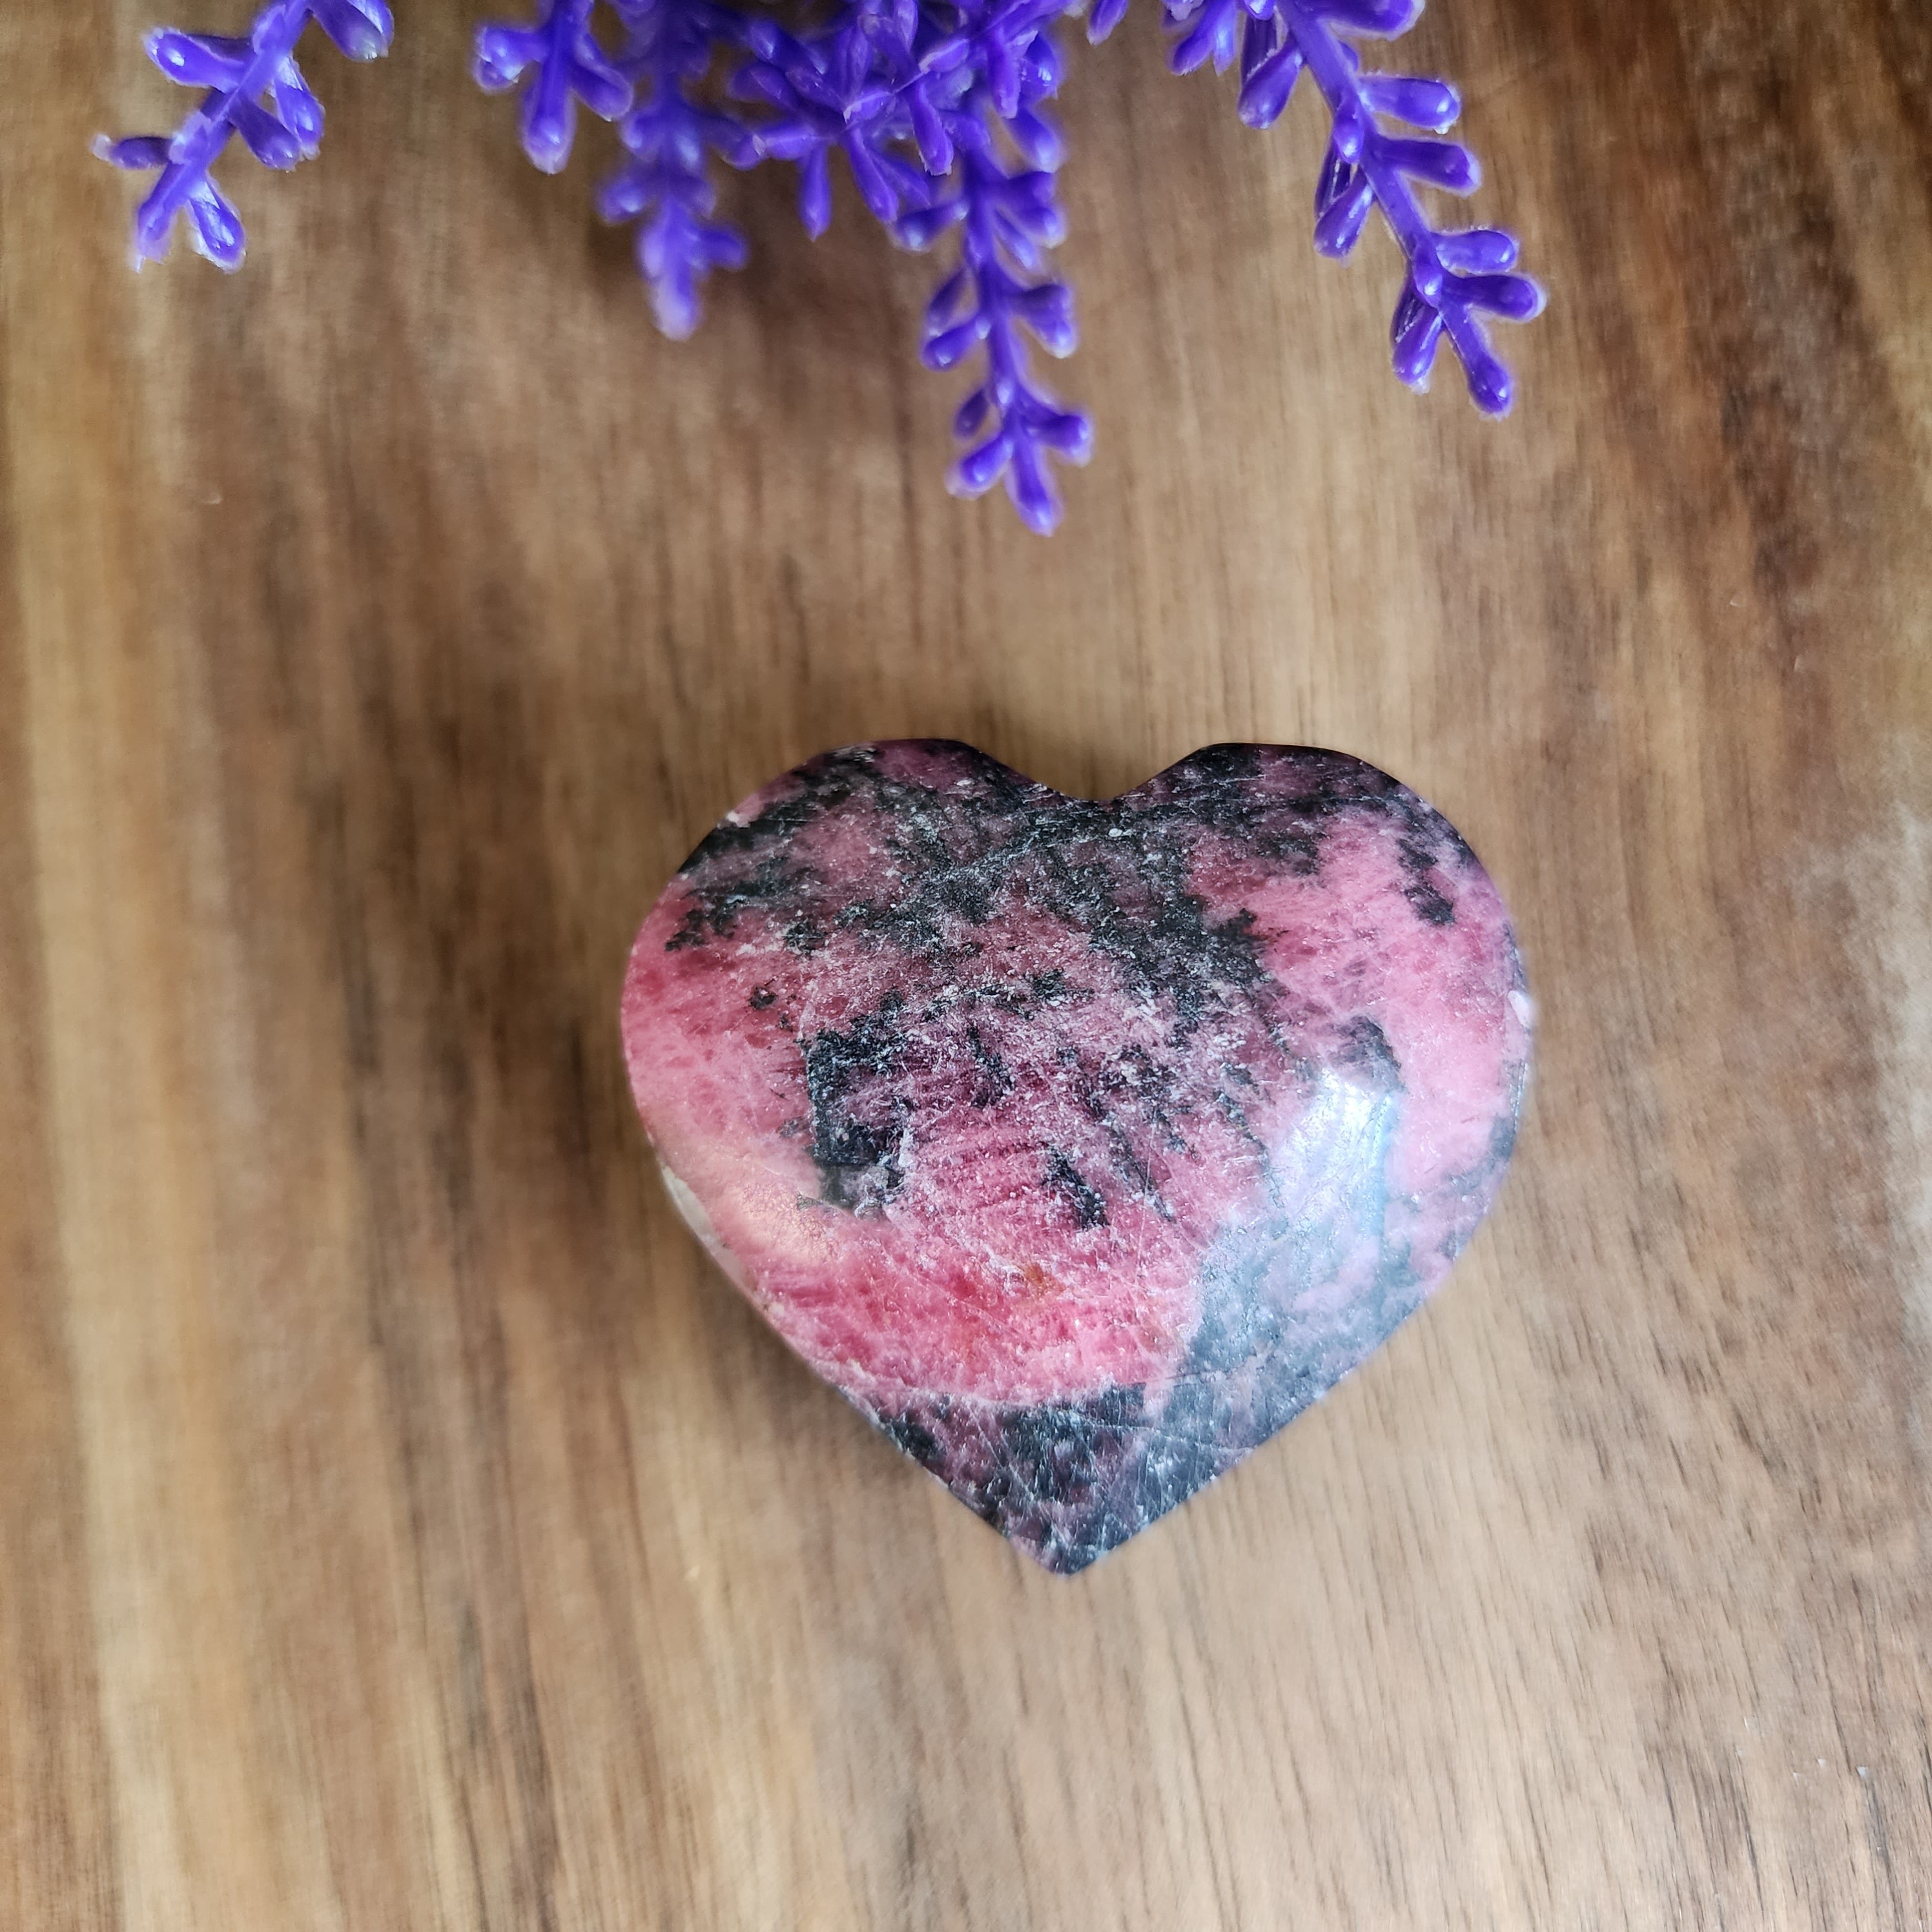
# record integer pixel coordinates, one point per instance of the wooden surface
(401, 1525)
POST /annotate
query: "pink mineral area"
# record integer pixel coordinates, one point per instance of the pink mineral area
(1005, 1106)
(973, 1280)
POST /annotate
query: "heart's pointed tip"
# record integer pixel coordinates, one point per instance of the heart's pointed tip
(1067, 1567)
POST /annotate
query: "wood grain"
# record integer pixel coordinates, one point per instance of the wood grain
(399, 1525)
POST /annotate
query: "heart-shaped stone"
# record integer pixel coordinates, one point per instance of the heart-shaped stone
(1080, 1146)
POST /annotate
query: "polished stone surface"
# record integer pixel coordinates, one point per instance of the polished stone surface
(1080, 1145)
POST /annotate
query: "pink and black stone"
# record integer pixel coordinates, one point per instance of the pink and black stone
(1081, 1146)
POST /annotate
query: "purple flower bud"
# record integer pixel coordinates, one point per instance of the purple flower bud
(1338, 225)
(1433, 104)
(1490, 387)
(1271, 65)
(935, 144)
(199, 60)
(361, 29)
(1066, 433)
(980, 468)
(951, 296)
(1444, 164)
(137, 151)
(815, 194)
(920, 228)
(952, 346)
(1476, 250)
(264, 137)
(503, 54)
(215, 228)
(300, 111)
(1514, 298)
(875, 186)
(972, 414)
(1414, 333)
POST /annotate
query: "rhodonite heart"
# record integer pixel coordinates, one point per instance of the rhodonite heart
(1080, 1145)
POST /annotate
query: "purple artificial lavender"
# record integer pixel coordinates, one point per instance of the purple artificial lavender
(1006, 219)
(663, 187)
(565, 65)
(926, 104)
(254, 89)
(936, 107)
(1455, 277)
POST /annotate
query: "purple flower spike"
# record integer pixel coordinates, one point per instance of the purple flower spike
(1013, 426)
(1007, 216)
(921, 100)
(1454, 279)
(569, 66)
(252, 89)
(663, 187)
